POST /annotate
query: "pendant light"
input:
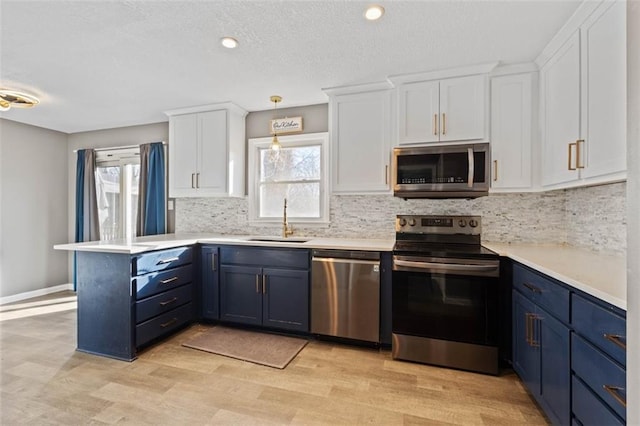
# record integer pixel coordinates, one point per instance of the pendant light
(275, 143)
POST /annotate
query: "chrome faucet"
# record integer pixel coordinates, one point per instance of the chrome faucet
(286, 228)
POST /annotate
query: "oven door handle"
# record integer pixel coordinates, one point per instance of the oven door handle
(446, 267)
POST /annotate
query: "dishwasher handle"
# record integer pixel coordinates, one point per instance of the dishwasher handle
(351, 261)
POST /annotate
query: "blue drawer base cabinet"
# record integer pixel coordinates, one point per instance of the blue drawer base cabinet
(569, 349)
(127, 301)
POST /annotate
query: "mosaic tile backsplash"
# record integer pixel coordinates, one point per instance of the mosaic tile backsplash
(591, 217)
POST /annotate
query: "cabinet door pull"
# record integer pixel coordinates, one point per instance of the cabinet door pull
(527, 328)
(614, 391)
(616, 339)
(213, 262)
(570, 155)
(169, 260)
(264, 284)
(168, 280)
(193, 175)
(168, 323)
(534, 340)
(257, 283)
(168, 302)
(533, 288)
(435, 124)
(386, 175)
(579, 154)
(495, 170)
(197, 180)
(444, 123)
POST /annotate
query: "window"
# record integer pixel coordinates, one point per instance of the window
(117, 176)
(297, 172)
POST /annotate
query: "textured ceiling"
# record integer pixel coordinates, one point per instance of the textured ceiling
(104, 64)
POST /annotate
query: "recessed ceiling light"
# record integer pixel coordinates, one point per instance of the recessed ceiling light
(374, 12)
(229, 42)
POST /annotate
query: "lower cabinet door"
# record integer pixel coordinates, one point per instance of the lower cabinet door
(241, 294)
(526, 351)
(210, 283)
(555, 369)
(285, 302)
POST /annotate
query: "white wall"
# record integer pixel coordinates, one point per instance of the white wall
(633, 212)
(33, 206)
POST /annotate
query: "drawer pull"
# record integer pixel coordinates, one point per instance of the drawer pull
(169, 260)
(533, 288)
(614, 391)
(168, 280)
(615, 338)
(168, 302)
(168, 323)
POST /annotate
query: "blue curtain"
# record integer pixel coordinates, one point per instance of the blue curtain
(87, 221)
(152, 189)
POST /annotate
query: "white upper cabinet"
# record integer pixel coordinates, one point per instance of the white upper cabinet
(560, 87)
(583, 99)
(360, 133)
(206, 151)
(444, 110)
(604, 91)
(511, 131)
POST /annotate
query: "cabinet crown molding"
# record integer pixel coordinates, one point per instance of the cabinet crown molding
(358, 88)
(442, 74)
(230, 106)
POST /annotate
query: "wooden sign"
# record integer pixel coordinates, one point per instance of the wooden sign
(286, 125)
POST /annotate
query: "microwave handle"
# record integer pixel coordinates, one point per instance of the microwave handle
(471, 168)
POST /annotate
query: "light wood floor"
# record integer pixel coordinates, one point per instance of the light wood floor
(45, 381)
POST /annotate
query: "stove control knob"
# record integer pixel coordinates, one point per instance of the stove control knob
(473, 223)
(412, 222)
(462, 223)
(402, 221)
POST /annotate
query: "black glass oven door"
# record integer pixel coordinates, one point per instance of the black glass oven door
(453, 307)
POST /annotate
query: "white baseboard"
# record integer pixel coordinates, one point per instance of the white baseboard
(35, 293)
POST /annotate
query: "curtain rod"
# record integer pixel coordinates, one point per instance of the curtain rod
(114, 148)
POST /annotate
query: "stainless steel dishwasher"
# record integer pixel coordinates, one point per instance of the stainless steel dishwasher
(345, 294)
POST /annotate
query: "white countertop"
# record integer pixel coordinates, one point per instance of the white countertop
(158, 242)
(602, 276)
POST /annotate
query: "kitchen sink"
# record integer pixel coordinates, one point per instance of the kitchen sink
(279, 239)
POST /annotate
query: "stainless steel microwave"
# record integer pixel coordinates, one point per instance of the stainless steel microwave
(445, 171)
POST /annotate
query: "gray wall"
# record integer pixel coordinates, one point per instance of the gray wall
(315, 119)
(33, 207)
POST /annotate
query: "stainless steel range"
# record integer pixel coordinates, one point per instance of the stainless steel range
(445, 294)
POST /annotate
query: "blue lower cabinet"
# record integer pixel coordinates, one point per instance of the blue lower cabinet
(265, 287)
(555, 370)
(285, 299)
(526, 354)
(241, 294)
(588, 409)
(209, 282)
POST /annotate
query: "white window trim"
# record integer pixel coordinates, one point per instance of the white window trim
(255, 144)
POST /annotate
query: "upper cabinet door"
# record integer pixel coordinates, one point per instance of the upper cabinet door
(419, 112)
(183, 144)
(361, 146)
(511, 116)
(212, 152)
(604, 91)
(560, 90)
(463, 108)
